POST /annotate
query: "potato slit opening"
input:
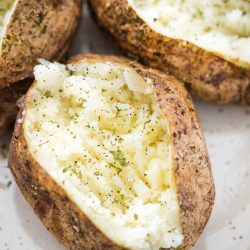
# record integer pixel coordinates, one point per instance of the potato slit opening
(97, 129)
(218, 26)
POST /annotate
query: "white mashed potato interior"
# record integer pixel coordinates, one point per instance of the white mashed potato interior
(6, 10)
(97, 130)
(215, 25)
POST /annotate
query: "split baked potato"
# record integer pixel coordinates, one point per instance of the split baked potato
(32, 29)
(110, 155)
(205, 44)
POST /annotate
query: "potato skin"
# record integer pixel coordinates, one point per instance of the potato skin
(8, 108)
(207, 76)
(191, 165)
(37, 29)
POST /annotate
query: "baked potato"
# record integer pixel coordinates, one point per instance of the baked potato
(110, 155)
(32, 29)
(9, 97)
(205, 44)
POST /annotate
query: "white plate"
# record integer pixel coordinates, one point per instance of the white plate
(227, 132)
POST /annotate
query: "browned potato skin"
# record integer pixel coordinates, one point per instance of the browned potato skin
(8, 108)
(207, 76)
(38, 29)
(191, 165)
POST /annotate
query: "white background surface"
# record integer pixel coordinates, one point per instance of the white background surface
(227, 132)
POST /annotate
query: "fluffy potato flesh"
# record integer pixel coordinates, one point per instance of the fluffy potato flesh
(215, 25)
(6, 9)
(98, 131)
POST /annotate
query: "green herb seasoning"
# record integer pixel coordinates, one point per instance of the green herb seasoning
(120, 158)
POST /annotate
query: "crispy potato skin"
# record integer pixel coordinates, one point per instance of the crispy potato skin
(207, 76)
(37, 29)
(191, 165)
(8, 108)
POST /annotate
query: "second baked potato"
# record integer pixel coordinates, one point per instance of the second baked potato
(32, 29)
(205, 44)
(111, 156)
